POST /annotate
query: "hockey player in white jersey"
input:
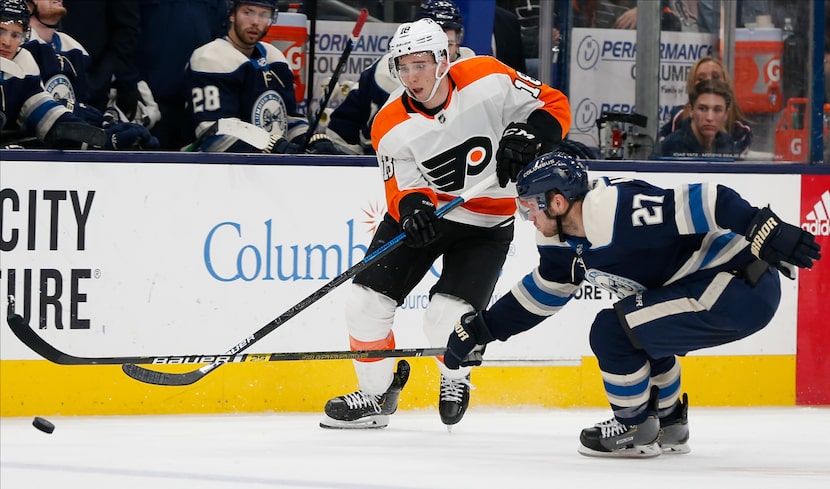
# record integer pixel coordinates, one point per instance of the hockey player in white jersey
(685, 264)
(240, 77)
(350, 124)
(448, 127)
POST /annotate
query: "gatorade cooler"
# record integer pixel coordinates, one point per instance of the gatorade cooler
(289, 34)
(758, 69)
(791, 137)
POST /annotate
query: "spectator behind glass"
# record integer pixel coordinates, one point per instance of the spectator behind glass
(165, 50)
(736, 124)
(702, 134)
(619, 14)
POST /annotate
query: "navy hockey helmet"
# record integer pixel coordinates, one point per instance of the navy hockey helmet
(444, 12)
(262, 3)
(16, 12)
(557, 171)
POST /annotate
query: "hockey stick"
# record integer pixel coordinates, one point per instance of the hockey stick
(358, 26)
(163, 378)
(256, 136)
(24, 333)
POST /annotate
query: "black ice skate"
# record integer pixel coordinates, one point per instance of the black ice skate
(675, 426)
(359, 410)
(453, 399)
(614, 439)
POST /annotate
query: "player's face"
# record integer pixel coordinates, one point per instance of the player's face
(251, 23)
(418, 71)
(11, 35)
(50, 11)
(708, 115)
(452, 37)
(532, 210)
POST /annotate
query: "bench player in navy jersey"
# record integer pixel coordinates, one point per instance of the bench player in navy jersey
(240, 77)
(350, 124)
(438, 135)
(693, 267)
(29, 112)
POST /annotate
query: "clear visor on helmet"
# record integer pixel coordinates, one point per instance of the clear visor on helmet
(254, 13)
(6, 30)
(416, 64)
(530, 206)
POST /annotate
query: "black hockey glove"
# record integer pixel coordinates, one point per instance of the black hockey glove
(320, 144)
(782, 245)
(467, 342)
(282, 146)
(518, 147)
(418, 220)
(128, 135)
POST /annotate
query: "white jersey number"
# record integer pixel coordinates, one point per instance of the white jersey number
(645, 216)
(206, 99)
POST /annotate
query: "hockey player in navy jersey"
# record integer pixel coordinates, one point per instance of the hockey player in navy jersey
(693, 267)
(350, 124)
(240, 77)
(62, 61)
(437, 136)
(30, 112)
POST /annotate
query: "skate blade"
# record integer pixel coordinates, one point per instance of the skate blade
(677, 449)
(637, 451)
(367, 423)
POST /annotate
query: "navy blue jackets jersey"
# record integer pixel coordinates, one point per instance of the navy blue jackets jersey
(638, 237)
(225, 83)
(24, 102)
(63, 64)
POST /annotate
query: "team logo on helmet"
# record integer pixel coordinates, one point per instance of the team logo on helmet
(270, 113)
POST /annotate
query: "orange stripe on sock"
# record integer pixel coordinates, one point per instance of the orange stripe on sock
(387, 343)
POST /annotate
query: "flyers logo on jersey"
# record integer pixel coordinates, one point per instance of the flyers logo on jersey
(448, 170)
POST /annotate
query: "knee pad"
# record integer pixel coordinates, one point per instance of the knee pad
(369, 314)
(440, 317)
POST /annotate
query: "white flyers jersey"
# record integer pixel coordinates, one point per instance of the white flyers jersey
(444, 154)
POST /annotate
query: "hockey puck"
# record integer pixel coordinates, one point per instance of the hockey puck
(43, 425)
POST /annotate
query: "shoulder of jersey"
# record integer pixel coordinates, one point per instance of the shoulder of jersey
(383, 77)
(11, 69)
(24, 60)
(464, 52)
(272, 54)
(467, 70)
(68, 43)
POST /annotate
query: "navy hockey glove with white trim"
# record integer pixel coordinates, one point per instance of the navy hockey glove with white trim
(467, 342)
(519, 145)
(418, 220)
(127, 135)
(782, 245)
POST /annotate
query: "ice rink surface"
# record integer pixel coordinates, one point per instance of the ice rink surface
(514, 448)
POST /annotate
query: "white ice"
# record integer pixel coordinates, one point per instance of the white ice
(756, 448)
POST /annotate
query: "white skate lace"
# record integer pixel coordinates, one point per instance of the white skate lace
(611, 428)
(453, 389)
(360, 399)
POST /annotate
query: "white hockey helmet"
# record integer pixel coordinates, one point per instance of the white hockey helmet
(421, 36)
